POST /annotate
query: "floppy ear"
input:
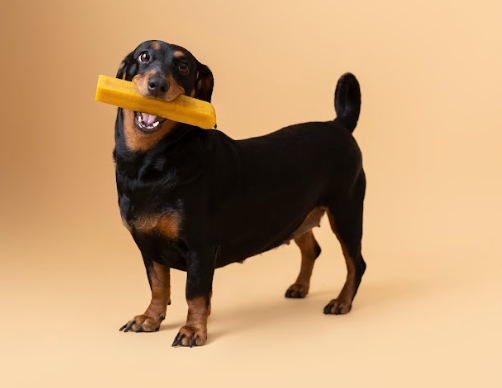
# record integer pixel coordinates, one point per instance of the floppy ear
(121, 73)
(204, 83)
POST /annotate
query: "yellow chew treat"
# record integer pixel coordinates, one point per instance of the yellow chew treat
(183, 109)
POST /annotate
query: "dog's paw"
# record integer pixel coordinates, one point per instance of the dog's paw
(337, 307)
(143, 323)
(297, 290)
(191, 336)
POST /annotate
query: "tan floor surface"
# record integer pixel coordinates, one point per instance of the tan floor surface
(429, 310)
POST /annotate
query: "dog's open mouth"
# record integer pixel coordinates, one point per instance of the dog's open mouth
(147, 123)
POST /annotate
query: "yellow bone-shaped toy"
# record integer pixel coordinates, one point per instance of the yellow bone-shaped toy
(183, 109)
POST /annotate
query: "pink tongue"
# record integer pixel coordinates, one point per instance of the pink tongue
(148, 119)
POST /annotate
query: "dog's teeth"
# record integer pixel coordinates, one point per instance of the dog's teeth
(155, 124)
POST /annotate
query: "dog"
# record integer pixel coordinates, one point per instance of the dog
(196, 200)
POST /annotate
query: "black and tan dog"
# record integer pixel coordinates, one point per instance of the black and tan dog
(196, 200)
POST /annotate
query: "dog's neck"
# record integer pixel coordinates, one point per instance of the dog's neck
(174, 155)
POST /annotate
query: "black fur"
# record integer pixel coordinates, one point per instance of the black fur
(348, 101)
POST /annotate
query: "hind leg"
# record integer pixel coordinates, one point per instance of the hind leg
(346, 222)
(310, 251)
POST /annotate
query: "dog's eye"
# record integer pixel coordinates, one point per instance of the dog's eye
(144, 57)
(183, 68)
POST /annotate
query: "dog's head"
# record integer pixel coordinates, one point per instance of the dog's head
(164, 71)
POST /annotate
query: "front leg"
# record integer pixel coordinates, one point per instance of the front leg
(160, 285)
(200, 273)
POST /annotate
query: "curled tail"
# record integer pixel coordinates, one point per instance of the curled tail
(348, 101)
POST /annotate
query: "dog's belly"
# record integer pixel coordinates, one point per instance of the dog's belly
(239, 248)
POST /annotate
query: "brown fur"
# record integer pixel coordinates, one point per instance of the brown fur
(196, 324)
(160, 284)
(155, 45)
(141, 82)
(139, 141)
(175, 89)
(307, 244)
(160, 279)
(167, 224)
(344, 299)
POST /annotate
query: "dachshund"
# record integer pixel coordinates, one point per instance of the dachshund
(196, 200)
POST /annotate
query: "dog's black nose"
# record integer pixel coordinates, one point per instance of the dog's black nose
(157, 86)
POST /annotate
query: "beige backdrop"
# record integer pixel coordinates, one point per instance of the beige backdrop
(429, 310)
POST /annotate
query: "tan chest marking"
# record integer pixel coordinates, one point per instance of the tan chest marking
(167, 224)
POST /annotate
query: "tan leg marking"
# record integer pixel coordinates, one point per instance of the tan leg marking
(160, 278)
(195, 330)
(160, 284)
(309, 249)
(343, 303)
